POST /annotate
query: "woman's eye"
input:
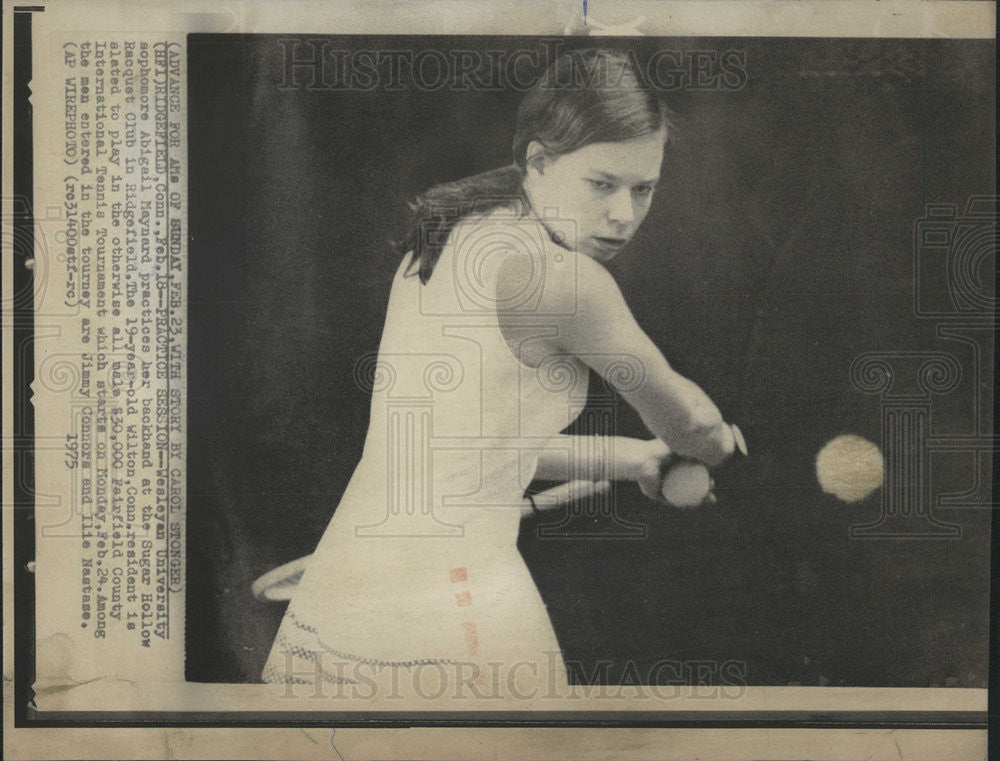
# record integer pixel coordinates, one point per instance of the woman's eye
(642, 190)
(601, 185)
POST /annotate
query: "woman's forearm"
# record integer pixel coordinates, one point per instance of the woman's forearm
(602, 331)
(687, 419)
(591, 458)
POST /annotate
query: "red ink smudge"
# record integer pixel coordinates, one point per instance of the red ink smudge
(471, 637)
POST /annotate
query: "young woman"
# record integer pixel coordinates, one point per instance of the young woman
(497, 311)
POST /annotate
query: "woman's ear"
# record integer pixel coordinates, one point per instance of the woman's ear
(535, 157)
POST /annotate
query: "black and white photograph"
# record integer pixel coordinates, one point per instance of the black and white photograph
(485, 379)
(653, 361)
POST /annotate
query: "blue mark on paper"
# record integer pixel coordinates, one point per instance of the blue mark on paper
(333, 733)
(585, 12)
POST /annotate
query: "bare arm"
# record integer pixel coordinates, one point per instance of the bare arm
(596, 458)
(603, 332)
(571, 491)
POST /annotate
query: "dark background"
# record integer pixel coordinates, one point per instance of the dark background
(778, 248)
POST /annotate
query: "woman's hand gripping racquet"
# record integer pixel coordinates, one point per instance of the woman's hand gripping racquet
(668, 479)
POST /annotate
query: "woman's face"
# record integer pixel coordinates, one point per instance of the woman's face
(603, 190)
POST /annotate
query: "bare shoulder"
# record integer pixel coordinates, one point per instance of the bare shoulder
(554, 282)
(566, 302)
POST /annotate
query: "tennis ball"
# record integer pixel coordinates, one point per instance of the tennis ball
(850, 468)
(686, 484)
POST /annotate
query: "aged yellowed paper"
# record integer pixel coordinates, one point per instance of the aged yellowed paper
(617, 373)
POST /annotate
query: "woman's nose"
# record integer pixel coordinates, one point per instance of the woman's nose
(620, 210)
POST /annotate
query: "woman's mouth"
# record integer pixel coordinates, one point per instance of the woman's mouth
(611, 244)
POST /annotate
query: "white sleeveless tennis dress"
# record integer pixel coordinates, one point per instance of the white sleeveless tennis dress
(419, 564)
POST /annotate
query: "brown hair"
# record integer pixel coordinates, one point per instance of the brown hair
(586, 96)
